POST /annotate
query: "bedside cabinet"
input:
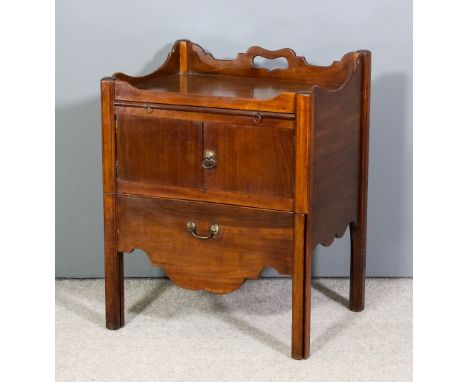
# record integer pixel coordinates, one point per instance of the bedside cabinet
(217, 169)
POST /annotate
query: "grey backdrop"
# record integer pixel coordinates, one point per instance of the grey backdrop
(97, 38)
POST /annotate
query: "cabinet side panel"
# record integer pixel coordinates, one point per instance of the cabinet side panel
(335, 160)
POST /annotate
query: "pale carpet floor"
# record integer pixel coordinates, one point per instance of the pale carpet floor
(175, 335)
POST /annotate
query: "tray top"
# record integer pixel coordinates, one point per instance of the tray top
(191, 76)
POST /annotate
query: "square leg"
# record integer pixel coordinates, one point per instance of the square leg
(300, 341)
(358, 268)
(114, 269)
(114, 290)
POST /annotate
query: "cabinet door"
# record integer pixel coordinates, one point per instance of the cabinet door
(159, 151)
(254, 159)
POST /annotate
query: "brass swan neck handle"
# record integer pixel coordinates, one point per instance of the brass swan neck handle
(192, 228)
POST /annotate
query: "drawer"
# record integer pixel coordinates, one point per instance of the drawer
(246, 241)
(251, 162)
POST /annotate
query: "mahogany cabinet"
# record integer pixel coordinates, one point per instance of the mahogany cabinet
(217, 169)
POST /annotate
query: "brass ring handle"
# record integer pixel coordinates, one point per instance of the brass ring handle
(191, 227)
(209, 159)
(257, 118)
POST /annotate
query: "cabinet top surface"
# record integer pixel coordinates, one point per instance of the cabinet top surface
(191, 76)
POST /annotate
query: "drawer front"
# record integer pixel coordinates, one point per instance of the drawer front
(250, 159)
(246, 240)
(159, 151)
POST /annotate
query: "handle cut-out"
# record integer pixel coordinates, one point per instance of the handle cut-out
(270, 63)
